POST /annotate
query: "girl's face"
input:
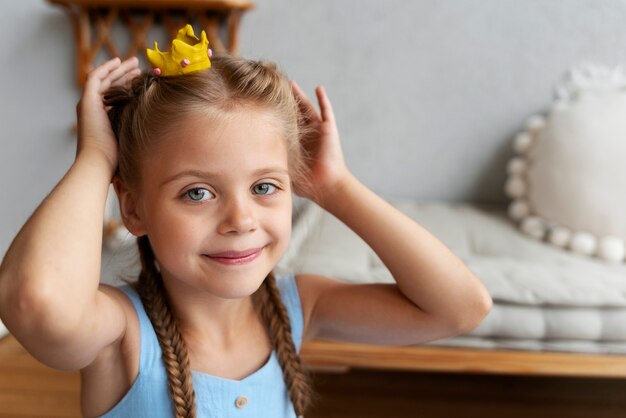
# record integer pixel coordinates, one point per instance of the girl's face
(215, 202)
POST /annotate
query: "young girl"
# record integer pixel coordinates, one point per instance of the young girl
(204, 165)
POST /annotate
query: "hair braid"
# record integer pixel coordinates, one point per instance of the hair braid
(175, 357)
(119, 99)
(276, 318)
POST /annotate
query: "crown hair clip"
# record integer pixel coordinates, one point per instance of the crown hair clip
(187, 54)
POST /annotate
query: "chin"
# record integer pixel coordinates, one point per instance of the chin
(239, 293)
(237, 289)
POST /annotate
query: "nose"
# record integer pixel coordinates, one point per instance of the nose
(238, 216)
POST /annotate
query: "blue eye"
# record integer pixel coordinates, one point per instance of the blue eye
(198, 194)
(264, 189)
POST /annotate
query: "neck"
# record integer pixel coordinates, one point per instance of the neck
(206, 319)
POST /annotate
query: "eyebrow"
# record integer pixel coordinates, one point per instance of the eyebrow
(208, 174)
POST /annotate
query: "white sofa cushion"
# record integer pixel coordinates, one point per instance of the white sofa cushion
(541, 293)
(3, 330)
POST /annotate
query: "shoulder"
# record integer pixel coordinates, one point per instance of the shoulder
(288, 293)
(311, 288)
(129, 344)
(107, 379)
(123, 295)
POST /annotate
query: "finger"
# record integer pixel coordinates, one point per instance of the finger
(102, 71)
(98, 74)
(325, 106)
(303, 99)
(119, 75)
(125, 67)
(304, 103)
(128, 77)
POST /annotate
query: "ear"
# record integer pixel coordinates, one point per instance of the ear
(128, 208)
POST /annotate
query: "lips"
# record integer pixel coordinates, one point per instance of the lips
(236, 257)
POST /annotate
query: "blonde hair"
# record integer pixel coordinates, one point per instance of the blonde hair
(140, 115)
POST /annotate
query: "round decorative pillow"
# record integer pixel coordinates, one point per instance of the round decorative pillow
(568, 177)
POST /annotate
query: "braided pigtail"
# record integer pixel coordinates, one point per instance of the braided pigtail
(175, 357)
(276, 318)
(123, 99)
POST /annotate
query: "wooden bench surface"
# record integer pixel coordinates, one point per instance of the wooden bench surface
(30, 389)
(343, 356)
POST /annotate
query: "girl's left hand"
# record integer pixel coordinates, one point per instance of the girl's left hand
(325, 168)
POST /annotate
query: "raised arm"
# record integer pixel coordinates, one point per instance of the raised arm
(436, 295)
(49, 278)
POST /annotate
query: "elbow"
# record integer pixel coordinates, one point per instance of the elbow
(470, 314)
(475, 314)
(27, 306)
(46, 326)
(20, 304)
(13, 300)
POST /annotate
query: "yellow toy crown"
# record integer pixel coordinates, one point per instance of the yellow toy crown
(188, 54)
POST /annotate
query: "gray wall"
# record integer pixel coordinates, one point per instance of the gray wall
(427, 93)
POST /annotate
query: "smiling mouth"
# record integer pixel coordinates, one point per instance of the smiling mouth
(235, 257)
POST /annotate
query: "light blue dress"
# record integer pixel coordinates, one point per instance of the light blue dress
(262, 394)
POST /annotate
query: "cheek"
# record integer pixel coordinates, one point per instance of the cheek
(170, 234)
(282, 235)
(286, 231)
(282, 227)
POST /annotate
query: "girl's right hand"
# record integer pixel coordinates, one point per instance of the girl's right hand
(94, 128)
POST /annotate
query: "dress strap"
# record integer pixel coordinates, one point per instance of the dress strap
(150, 350)
(150, 353)
(291, 299)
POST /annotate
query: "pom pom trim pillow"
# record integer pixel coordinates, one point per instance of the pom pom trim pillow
(568, 177)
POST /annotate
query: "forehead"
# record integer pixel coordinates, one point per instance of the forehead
(223, 142)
